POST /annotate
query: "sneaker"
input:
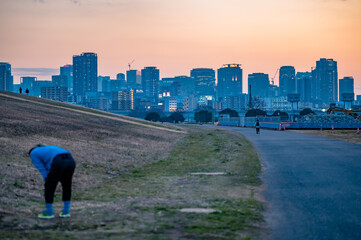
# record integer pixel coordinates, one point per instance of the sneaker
(44, 215)
(64, 215)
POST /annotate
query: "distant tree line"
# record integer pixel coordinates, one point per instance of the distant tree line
(205, 115)
(175, 117)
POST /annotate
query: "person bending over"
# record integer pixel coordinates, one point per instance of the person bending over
(55, 165)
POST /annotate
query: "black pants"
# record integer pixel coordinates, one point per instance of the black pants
(61, 170)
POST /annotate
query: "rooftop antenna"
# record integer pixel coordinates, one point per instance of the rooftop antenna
(130, 64)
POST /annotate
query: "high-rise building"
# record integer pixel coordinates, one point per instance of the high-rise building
(229, 80)
(37, 85)
(60, 80)
(104, 84)
(186, 85)
(6, 80)
(304, 80)
(204, 79)
(324, 82)
(122, 100)
(121, 76)
(287, 80)
(55, 93)
(28, 83)
(66, 71)
(346, 86)
(133, 79)
(85, 73)
(150, 81)
(260, 84)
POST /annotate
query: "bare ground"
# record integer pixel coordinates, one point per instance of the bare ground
(343, 135)
(130, 180)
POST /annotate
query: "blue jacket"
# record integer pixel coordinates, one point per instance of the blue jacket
(42, 158)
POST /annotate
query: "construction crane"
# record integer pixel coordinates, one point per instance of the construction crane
(350, 112)
(273, 79)
(130, 64)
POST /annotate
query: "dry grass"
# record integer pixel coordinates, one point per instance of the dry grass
(343, 135)
(130, 180)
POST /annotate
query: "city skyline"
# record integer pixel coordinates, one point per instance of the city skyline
(179, 36)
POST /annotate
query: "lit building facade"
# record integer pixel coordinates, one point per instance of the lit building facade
(260, 84)
(204, 80)
(85, 73)
(287, 80)
(123, 100)
(324, 82)
(346, 85)
(229, 80)
(134, 79)
(55, 93)
(66, 72)
(6, 79)
(150, 82)
(304, 81)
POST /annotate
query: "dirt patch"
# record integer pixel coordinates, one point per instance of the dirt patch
(343, 135)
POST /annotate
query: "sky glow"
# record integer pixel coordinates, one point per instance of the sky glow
(177, 36)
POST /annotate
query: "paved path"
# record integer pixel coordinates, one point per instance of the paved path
(313, 185)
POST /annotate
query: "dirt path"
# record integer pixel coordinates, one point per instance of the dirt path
(116, 116)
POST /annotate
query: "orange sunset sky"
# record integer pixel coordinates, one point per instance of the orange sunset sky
(178, 35)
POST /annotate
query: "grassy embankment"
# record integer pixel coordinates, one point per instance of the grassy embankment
(130, 180)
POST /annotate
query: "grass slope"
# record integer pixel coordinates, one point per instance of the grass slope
(130, 180)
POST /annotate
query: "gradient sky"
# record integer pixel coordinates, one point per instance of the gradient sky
(178, 35)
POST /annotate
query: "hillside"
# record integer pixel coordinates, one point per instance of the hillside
(132, 176)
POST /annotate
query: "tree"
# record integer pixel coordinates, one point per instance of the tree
(230, 112)
(255, 112)
(203, 116)
(283, 115)
(280, 113)
(152, 116)
(307, 111)
(165, 119)
(177, 117)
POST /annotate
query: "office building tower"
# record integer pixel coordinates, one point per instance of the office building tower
(324, 82)
(133, 79)
(186, 85)
(170, 104)
(6, 80)
(123, 100)
(150, 82)
(55, 93)
(260, 84)
(346, 85)
(27, 83)
(37, 85)
(85, 73)
(287, 80)
(229, 80)
(60, 80)
(204, 80)
(117, 85)
(121, 76)
(103, 84)
(66, 72)
(304, 81)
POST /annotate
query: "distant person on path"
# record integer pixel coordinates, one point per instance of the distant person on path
(27, 91)
(55, 165)
(20, 90)
(258, 127)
